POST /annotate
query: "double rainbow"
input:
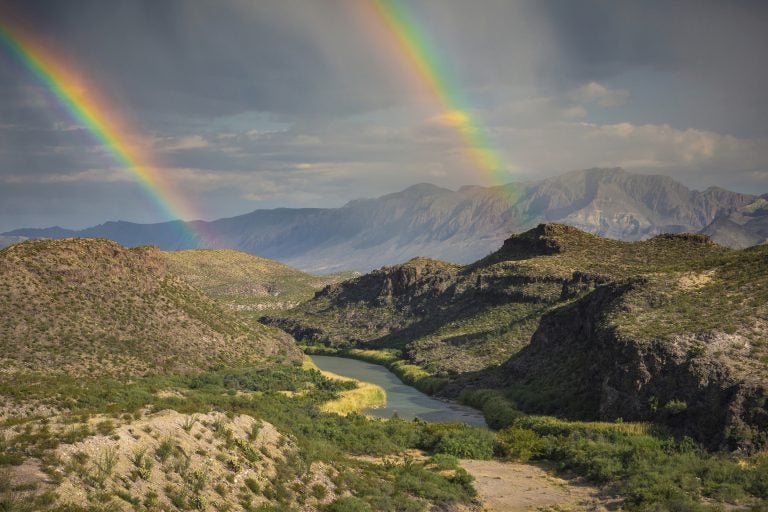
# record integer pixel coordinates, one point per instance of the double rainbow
(413, 44)
(88, 108)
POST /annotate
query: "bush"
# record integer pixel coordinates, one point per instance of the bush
(520, 444)
(444, 461)
(253, 486)
(499, 412)
(418, 481)
(458, 440)
(348, 504)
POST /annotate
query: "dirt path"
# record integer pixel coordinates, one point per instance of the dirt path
(510, 487)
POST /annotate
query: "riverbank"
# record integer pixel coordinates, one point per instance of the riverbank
(497, 410)
(644, 466)
(403, 401)
(365, 396)
(409, 374)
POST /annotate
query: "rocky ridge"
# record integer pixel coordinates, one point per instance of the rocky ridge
(671, 329)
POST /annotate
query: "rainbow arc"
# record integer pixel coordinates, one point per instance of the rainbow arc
(89, 109)
(413, 44)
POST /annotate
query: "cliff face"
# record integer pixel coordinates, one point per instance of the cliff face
(672, 329)
(449, 318)
(741, 227)
(579, 363)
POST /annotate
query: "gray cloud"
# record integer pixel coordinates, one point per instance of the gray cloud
(298, 103)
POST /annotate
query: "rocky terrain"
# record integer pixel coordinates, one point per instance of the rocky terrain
(742, 227)
(88, 306)
(166, 461)
(670, 329)
(124, 388)
(426, 220)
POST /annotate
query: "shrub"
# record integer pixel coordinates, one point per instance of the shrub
(458, 440)
(520, 444)
(253, 486)
(444, 461)
(499, 412)
(348, 504)
(164, 450)
(675, 406)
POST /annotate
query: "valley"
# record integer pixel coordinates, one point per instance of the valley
(383, 256)
(602, 361)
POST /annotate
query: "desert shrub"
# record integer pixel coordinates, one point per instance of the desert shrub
(348, 504)
(499, 412)
(444, 461)
(253, 486)
(418, 481)
(164, 450)
(520, 444)
(458, 440)
(319, 491)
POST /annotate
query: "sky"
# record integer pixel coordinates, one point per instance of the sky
(267, 103)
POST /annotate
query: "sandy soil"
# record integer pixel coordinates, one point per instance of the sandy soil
(511, 487)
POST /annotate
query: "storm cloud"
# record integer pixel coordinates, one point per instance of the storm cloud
(300, 103)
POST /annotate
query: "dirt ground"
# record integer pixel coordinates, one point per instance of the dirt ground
(510, 487)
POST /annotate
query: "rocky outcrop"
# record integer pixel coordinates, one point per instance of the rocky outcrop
(670, 329)
(741, 227)
(580, 364)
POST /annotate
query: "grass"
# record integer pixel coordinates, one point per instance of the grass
(77, 306)
(363, 396)
(410, 374)
(291, 398)
(244, 282)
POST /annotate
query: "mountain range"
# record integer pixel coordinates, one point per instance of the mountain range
(460, 226)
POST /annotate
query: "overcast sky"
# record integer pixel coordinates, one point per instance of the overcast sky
(257, 104)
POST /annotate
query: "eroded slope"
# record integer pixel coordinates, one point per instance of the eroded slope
(89, 306)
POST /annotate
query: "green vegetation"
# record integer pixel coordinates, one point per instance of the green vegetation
(410, 374)
(364, 395)
(291, 398)
(247, 283)
(85, 306)
(106, 342)
(647, 465)
(563, 322)
(651, 471)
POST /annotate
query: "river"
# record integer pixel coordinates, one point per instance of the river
(406, 401)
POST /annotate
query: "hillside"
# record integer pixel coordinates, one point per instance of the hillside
(124, 388)
(570, 323)
(243, 282)
(87, 306)
(426, 220)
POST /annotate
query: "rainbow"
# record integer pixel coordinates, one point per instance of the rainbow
(104, 123)
(413, 44)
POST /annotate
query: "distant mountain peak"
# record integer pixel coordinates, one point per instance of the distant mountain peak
(462, 226)
(421, 189)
